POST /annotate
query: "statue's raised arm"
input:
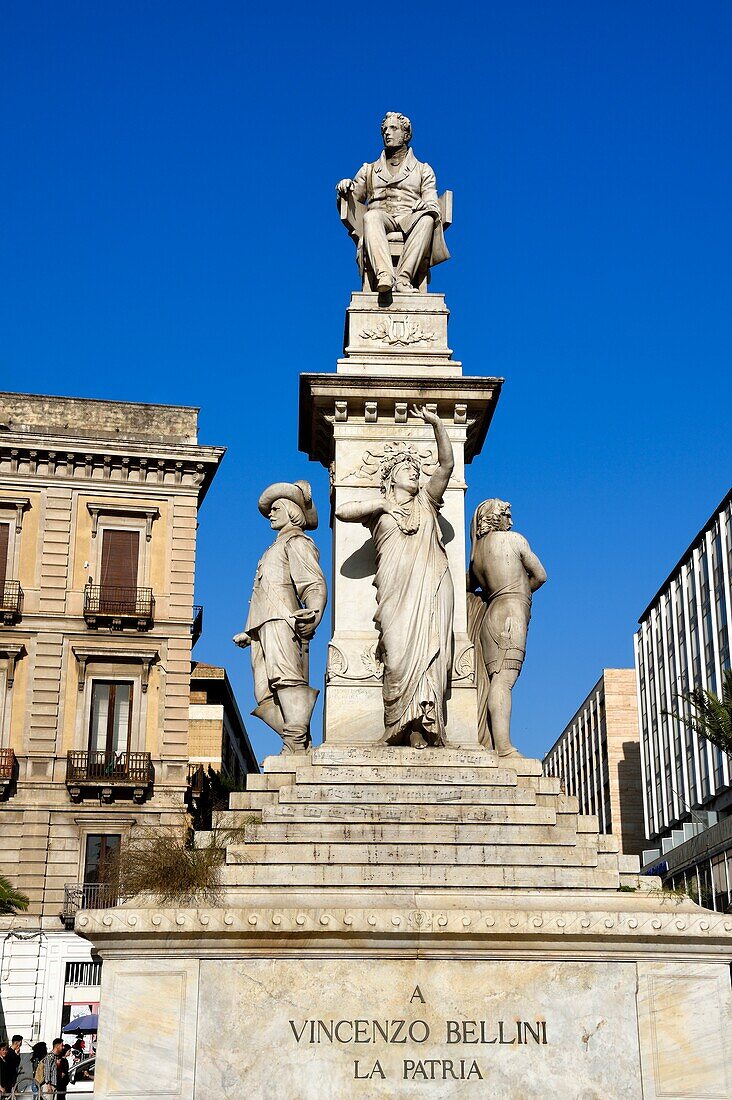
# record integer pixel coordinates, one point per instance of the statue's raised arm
(392, 210)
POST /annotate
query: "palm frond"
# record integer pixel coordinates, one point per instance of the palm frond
(11, 900)
(708, 715)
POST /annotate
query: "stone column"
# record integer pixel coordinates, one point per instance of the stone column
(393, 357)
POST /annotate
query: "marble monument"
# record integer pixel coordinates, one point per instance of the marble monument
(411, 907)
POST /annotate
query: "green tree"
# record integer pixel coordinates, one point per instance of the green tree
(709, 715)
(11, 900)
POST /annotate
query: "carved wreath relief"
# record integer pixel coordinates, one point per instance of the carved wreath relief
(397, 331)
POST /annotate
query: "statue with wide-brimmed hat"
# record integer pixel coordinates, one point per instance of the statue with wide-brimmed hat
(287, 604)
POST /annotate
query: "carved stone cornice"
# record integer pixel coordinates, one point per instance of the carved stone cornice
(84, 654)
(596, 929)
(330, 399)
(12, 652)
(126, 463)
(95, 510)
(19, 504)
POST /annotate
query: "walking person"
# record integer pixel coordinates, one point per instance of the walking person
(50, 1069)
(39, 1052)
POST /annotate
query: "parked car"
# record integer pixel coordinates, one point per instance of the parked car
(81, 1079)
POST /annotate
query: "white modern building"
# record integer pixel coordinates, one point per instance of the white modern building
(683, 642)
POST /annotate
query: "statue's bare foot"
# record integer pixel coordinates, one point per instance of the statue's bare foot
(416, 740)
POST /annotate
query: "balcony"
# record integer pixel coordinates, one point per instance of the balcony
(117, 607)
(88, 895)
(7, 769)
(197, 624)
(197, 780)
(11, 602)
(108, 772)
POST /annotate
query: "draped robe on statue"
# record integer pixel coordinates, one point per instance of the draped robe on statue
(414, 611)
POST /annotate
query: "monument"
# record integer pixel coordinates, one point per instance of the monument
(411, 907)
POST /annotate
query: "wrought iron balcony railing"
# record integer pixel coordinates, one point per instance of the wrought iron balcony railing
(108, 770)
(89, 895)
(198, 780)
(116, 605)
(197, 624)
(11, 602)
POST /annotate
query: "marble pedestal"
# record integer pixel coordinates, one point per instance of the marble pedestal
(394, 357)
(394, 924)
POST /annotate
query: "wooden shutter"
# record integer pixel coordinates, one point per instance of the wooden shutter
(4, 544)
(120, 551)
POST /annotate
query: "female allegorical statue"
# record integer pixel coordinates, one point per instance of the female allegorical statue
(414, 592)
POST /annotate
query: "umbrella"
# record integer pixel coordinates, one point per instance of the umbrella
(83, 1023)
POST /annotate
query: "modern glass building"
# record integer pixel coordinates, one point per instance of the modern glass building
(683, 641)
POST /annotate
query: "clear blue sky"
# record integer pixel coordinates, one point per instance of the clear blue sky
(170, 234)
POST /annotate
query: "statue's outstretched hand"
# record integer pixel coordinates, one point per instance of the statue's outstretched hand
(424, 414)
(242, 640)
(344, 186)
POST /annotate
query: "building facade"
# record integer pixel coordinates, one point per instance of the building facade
(597, 758)
(218, 739)
(98, 514)
(683, 642)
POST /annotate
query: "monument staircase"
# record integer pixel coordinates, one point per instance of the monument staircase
(395, 817)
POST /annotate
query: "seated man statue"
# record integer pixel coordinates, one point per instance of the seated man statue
(400, 194)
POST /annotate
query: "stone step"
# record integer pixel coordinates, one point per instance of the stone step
(448, 855)
(408, 775)
(427, 814)
(421, 793)
(268, 782)
(251, 801)
(415, 875)
(383, 755)
(318, 832)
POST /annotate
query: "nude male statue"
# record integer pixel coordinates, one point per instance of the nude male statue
(504, 573)
(401, 196)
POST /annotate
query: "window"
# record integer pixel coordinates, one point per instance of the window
(111, 717)
(100, 864)
(4, 547)
(120, 557)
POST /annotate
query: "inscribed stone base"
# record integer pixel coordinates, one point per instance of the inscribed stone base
(296, 998)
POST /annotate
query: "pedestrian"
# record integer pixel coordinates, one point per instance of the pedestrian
(62, 1070)
(13, 1057)
(38, 1053)
(50, 1068)
(6, 1083)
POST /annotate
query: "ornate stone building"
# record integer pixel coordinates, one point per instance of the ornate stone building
(98, 514)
